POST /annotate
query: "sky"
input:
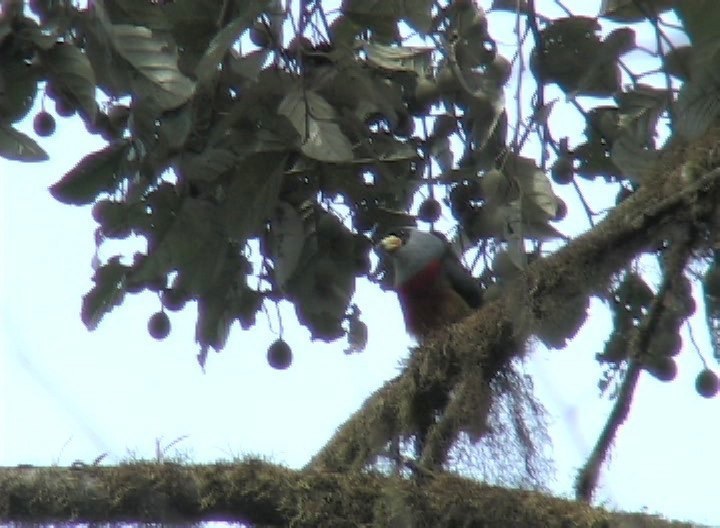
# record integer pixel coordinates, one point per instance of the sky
(67, 394)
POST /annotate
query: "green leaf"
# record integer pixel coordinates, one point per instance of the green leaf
(71, 71)
(107, 293)
(252, 196)
(139, 13)
(226, 37)
(629, 11)
(207, 165)
(418, 15)
(18, 96)
(95, 173)
(399, 59)
(194, 245)
(323, 281)
(249, 65)
(156, 61)
(16, 146)
(698, 105)
(287, 238)
(381, 16)
(314, 119)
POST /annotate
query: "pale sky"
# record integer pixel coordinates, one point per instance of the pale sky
(67, 394)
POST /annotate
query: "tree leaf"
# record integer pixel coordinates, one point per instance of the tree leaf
(107, 293)
(323, 281)
(418, 16)
(399, 59)
(18, 88)
(223, 40)
(248, 66)
(629, 11)
(314, 119)
(698, 105)
(156, 61)
(538, 190)
(259, 177)
(16, 146)
(70, 69)
(636, 162)
(379, 15)
(207, 165)
(287, 238)
(194, 245)
(98, 172)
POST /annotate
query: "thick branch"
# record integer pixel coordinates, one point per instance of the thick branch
(488, 338)
(265, 494)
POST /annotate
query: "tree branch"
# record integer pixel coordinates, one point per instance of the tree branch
(264, 494)
(487, 339)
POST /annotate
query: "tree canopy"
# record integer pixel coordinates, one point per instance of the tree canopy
(260, 148)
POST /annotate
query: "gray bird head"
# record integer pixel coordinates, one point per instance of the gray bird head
(410, 251)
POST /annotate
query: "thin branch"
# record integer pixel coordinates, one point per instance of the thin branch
(681, 251)
(588, 476)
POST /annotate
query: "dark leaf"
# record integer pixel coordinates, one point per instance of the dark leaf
(207, 165)
(98, 172)
(316, 122)
(194, 244)
(252, 196)
(108, 292)
(18, 86)
(225, 38)
(698, 105)
(398, 59)
(628, 11)
(677, 62)
(156, 60)
(16, 146)
(70, 70)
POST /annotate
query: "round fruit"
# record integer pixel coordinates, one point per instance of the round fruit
(666, 343)
(44, 124)
(159, 325)
(706, 383)
(562, 171)
(173, 299)
(429, 210)
(106, 212)
(63, 107)
(405, 126)
(259, 35)
(279, 355)
(663, 368)
(561, 211)
(462, 195)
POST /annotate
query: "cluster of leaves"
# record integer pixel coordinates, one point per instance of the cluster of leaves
(211, 146)
(309, 131)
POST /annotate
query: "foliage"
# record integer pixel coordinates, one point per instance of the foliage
(305, 131)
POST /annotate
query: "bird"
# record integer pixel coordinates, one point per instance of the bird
(434, 289)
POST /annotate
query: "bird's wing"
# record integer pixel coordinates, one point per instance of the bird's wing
(461, 280)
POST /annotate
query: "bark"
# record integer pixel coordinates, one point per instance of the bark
(264, 494)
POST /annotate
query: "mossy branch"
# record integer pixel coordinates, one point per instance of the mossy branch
(486, 340)
(265, 494)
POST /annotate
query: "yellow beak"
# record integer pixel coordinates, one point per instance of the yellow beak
(391, 243)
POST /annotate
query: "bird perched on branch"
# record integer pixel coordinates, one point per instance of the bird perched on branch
(433, 287)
